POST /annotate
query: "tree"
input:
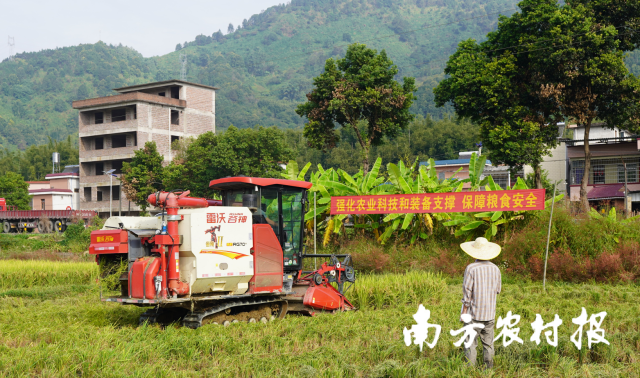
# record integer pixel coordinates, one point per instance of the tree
(218, 36)
(359, 92)
(494, 84)
(256, 152)
(83, 92)
(143, 176)
(585, 76)
(230, 28)
(15, 191)
(544, 64)
(178, 47)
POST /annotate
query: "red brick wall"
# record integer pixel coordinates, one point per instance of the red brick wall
(197, 123)
(199, 98)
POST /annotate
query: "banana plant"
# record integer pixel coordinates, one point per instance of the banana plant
(292, 172)
(471, 225)
(406, 182)
(476, 170)
(332, 183)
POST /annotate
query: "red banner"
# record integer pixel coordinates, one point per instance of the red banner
(462, 202)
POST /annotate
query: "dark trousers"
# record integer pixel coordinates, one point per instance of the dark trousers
(486, 337)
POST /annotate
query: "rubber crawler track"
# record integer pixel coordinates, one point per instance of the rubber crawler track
(194, 319)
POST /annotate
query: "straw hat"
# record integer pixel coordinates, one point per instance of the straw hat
(481, 249)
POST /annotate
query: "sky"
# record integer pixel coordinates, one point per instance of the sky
(150, 27)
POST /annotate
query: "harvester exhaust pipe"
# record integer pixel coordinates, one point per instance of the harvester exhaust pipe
(171, 264)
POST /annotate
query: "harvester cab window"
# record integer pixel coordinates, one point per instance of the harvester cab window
(270, 209)
(234, 197)
(292, 216)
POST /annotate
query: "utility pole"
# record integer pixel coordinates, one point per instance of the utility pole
(110, 173)
(626, 193)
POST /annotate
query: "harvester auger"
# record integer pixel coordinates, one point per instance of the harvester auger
(238, 259)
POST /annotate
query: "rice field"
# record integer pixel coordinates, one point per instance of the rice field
(54, 325)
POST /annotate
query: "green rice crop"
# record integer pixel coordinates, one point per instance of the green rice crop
(379, 291)
(52, 332)
(27, 273)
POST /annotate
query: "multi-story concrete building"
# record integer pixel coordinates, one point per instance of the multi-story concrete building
(111, 128)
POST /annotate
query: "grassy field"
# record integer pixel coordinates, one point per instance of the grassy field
(59, 328)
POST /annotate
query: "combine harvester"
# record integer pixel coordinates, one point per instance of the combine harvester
(200, 262)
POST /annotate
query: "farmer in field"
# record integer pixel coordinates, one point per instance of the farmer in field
(480, 287)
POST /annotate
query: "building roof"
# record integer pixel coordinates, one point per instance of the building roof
(242, 182)
(139, 87)
(123, 99)
(452, 162)
(61, 175)
(37, 182)
(606, 192)
(50, 191)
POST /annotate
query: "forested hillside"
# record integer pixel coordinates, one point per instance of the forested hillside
(263, 67)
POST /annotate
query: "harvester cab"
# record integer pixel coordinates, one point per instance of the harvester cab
(206, 261)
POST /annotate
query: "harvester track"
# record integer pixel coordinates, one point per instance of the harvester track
(255, 309)
(195, 319)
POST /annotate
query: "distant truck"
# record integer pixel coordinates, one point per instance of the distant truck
(45, 221)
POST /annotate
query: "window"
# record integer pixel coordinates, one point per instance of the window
(118, 141)
(174, 138)
(161, 94)
(175, 117)
(87, 194)
(99, 143)
(42, 205)
(118, 115)
(577, 171)
(99, 169)
(293, 218)
(117, 165)
(99, 195)
(135, 112)
(115, 192)
(135, 139)
(598, 172)
(175, 92)
(441, 176)
(632, 172)
(270, 208)
(99, 117)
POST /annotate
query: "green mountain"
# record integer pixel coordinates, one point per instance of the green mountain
(263, 68)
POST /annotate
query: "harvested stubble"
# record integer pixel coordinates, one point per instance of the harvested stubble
(71, 335)
(28, 273)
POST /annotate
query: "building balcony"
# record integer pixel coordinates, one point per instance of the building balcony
(108, 128)
(98, 180)
(107, 154)
(103, 206)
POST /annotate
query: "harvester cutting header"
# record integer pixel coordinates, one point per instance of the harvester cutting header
(206, 261)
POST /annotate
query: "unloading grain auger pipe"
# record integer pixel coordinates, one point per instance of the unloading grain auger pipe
(170, 266)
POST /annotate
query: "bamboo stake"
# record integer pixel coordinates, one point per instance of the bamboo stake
(546, 255)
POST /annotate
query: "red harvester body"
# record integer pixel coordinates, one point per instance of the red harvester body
(206, 261)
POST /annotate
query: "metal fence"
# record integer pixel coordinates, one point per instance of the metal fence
(606, 171)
